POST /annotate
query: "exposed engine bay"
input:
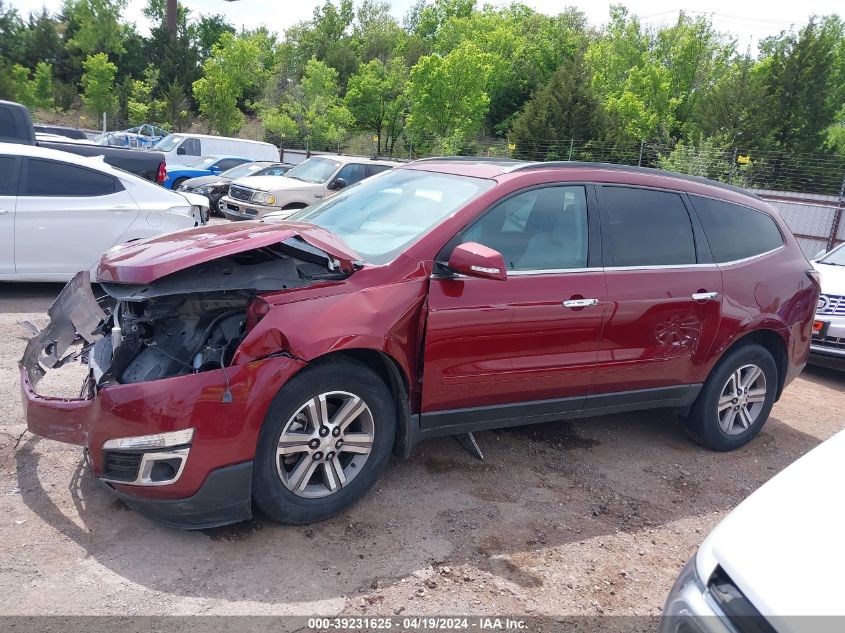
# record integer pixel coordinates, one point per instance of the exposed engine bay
(190, 321)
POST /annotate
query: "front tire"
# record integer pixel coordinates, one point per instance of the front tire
(736, 400)
(326, 438)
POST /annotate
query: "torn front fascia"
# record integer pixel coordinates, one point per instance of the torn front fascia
(75, 312)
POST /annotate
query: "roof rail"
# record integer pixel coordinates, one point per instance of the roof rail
(633, 168)
(474, 159)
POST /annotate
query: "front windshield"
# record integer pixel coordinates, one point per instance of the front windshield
(168, 143)
(384, 214)
(246, 169)
(203, 162)
(316, 170)
(836, 257)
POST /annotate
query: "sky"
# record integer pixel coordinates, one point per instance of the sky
(747, 21)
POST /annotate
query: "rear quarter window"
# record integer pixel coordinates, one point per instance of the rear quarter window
(7, 167)
(736, 232)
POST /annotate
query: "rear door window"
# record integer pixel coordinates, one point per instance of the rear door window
(372, 170)
(736, 232)
(55, 179)
(648, 228)
(7, 170)
(191, 147)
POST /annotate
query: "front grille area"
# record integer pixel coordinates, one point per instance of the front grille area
(240, 193)
(122, 465)
(835, 305)
(833, 342)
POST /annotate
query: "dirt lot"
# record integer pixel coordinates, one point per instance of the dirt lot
(594, 516)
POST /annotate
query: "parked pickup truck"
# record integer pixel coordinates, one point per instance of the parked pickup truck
(319, 177)
(16, 127)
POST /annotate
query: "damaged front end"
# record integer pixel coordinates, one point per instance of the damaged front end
(160, 376)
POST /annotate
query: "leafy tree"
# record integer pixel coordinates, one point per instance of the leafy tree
(836, 133)
(376, 98)
(42, 85)
(41, 40)
(377, 34)
(448, 97)
(98, 90)
(11, 27)
(427, 20)
(236, 64)
(312, 109)
(208, 32)
(98, 25)
(565, 108)
(21, 86)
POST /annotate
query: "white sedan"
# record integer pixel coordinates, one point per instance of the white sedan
(775, 560)
(60, 212)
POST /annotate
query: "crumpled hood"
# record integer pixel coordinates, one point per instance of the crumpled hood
(274, 184)
(782, 546)
(833, 278)
(144, 261)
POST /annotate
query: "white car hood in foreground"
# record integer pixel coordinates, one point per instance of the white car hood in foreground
(833, 280)
(784, 546)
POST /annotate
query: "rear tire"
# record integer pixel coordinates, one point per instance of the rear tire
(736, 400)
(311, 463)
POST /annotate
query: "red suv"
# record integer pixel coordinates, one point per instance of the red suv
(282, 363)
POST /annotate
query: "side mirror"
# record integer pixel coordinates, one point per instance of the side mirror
(476, 260)
(337, 183)
(214, 169)
(820, 254)
(180, 151)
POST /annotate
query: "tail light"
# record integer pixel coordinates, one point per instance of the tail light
(815, 277)
(161, 176)
(256, 311)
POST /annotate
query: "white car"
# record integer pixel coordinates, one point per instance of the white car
(319, 177)
(775, 559)
(60, 212)
(828, 346)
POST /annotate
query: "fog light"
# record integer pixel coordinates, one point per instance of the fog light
(143, 442)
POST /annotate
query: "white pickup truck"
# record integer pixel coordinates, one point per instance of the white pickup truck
(312, 180)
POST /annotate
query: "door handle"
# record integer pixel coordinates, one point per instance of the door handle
(580, 303)
(704, 296)
(4, 211)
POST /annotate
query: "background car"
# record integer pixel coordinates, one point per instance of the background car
(789, 531)
(828, 346)
(313, 179)
(216, 185)
(202, 166)
(59, 212)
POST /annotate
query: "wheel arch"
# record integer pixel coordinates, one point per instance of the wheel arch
(774, 342)
(391, 372)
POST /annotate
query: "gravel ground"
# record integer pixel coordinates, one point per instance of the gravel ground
(593, 516)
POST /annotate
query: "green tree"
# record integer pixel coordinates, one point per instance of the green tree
(98, 26)
(11, 27)
(312, 109)
(208, 32)
(21, 86)
(98, 88)
(375, 96)
(448, 97)
(42, 85)
(565, 108)
(236, 65)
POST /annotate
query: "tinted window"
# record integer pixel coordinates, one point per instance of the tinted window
(352, 173)
(648, 228)
(540, 229)
(736, 232)
(228, 163)
(372, 170)
(191, 147)
(7, 164)
(52, 178)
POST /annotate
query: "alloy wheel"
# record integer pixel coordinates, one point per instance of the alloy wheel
(742, 399)
(324, 445)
